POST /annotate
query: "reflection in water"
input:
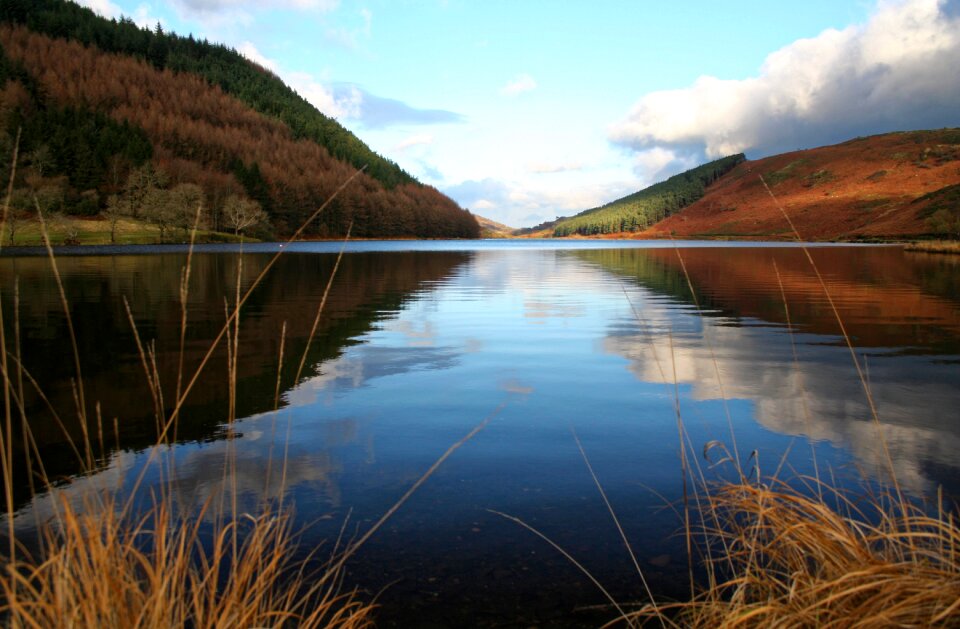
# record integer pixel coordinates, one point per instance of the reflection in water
(368, 287)
(416, 348)
(883, 303)
(885, 299)
(354, 370)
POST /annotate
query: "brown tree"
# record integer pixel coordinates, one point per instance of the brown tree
(200, 133)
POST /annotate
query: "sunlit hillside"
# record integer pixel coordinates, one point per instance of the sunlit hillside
(886, 186)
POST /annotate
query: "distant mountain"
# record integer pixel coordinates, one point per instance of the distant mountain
(543, 230)
(637, 211)
(107, 108)
(492, 229)
(894, 185)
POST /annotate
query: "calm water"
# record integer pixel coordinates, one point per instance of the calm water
(420, 342)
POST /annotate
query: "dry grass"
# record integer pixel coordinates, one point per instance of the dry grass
(794, 560)
(105, 561)
(935, 246)
(777, 555)
(101, 569)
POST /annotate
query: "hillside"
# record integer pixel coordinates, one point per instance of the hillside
(641, 209)
(115, 118)
(894, 185)
(492, 229)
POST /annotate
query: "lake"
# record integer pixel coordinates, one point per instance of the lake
(555, 343)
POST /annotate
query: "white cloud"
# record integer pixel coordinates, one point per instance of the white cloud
(377, 112)
(897, 71)
(522, 83)
(657, 163)
(414, 140)
(141, 15)
(548, 167)
(367, 16)
(654, 159)
(340, 104)
(102, 7)
(350, 37)
(215, 6)
(248, 50)
(349, 101)
(522, 205)
(343, 104)
(219, 16)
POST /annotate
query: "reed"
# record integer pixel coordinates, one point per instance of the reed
(799, 561)
(806, 554)
(142, 558)
(159, 569)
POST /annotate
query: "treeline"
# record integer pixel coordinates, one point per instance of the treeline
(218, 64)
(642, 209)
(95, 118)
(75, 146)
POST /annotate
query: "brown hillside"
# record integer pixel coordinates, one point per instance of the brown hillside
(882, 186)
(492, 229)
(895, 293)
(199, 132)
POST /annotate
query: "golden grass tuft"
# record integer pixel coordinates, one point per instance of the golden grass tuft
(100, 569)
(105, 561)
(778, 557)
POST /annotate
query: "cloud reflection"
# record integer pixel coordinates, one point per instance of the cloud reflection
(368, 362)
(819, 396)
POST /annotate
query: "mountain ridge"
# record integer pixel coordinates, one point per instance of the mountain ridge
(64, 93)
(645, 207)
(903, 184)
(895, 185)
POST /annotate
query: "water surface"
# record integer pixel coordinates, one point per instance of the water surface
(420, 342)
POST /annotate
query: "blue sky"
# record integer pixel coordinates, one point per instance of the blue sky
(525, 110)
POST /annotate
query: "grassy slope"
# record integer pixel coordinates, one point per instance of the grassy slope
(493, 229)
(882, 186)
(95, 231)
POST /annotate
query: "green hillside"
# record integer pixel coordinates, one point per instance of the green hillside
(114, 120)
(218, 64)
(644, 208)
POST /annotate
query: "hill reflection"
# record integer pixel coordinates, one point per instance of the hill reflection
(901, 314)
(368, 288)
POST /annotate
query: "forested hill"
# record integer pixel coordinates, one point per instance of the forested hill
(107, 108)
(642, 209)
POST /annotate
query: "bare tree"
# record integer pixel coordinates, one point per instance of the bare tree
(15, 220)
(141, 183)
(187, 200)
(241, 213)
(21, 206)
(62, 225)
(113, 213)
(159, 208)
(39, 160)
